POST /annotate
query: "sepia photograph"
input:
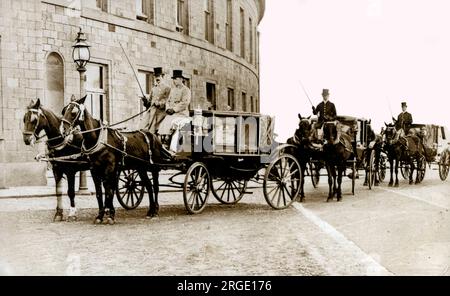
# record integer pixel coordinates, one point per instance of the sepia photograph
(246, 138)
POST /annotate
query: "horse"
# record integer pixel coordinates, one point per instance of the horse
(337, 150)
(109, 151)
(304, 150)
(38, 119)
(402, 148)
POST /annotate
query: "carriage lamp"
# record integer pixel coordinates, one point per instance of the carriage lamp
(81, 54)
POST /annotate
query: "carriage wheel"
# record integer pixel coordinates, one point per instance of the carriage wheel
(314, 171)
(228, 191)
(405, 170)
(421, 169)
(354, 172)
(282, 182)
(196, 188)
(443, 167)
(130, 189)
(443, 171)
(382, 166)
(371, 170)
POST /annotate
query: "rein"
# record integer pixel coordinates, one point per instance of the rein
(102, 140)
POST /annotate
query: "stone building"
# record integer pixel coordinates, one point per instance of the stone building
(215, 43)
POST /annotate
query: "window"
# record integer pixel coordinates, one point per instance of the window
(97, 90)
(242, 34)
(231, 99)
(211, 95)
(257, 49)
(183, 16)
(252, 104)
(229, 25)
(145, 10)
(209, 20)
(54, 91)
(250, 34)
(146, 81)
(103, 5)
(244, 102)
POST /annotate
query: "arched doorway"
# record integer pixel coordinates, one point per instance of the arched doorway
(54, 95)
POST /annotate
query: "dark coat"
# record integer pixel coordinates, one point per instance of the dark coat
(327, 112)
(404, 121)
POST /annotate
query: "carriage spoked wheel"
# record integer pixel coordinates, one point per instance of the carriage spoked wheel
(443, 168)
(382, 166)
(196, 188)
(228, 190)
(405, 170)
(421, 169)
(314, 171)
(371, 170)
(282, 182)
(354, 174)
(130, 189)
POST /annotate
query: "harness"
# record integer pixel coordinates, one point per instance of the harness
(37, 112)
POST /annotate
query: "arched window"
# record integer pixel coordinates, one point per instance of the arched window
(54, 95)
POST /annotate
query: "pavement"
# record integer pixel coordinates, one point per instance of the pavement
(384, 231)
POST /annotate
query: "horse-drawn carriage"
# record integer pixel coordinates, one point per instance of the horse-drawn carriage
(357, 140)
(221, 152)
(436, 150)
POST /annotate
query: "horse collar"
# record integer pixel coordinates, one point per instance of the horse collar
(100, 145)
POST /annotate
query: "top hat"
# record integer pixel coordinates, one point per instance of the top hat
(325, 92)
(404, 104)
(177, 74)
(158, 71)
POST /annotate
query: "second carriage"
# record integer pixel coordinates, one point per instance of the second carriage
(221, 152)
(367, 158)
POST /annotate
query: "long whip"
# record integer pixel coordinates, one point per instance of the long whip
(306, 93)
(134, 71)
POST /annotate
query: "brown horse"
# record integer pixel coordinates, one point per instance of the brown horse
(408, 149)
(110, 151)
(303, 150)
(38, 119)
(337, 151)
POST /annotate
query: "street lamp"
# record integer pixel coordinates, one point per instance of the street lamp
(81, 53)
(81, 56)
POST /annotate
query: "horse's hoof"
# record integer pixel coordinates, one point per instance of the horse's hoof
(98, 221)
(339, 199)
(72, 219)
(58, 218)
(391, 184)
(111, 221)
(377, 184)
(329, 199)
(397, 185)
(411, 182)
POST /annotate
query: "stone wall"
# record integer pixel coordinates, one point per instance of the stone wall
(31, 29)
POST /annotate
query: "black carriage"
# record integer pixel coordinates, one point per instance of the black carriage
(364, 141)
(221, 152)
(436, 151)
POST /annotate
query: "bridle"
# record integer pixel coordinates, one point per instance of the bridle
(79, 116)
(38, 113)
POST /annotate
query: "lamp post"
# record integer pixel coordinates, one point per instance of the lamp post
(81, 56)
